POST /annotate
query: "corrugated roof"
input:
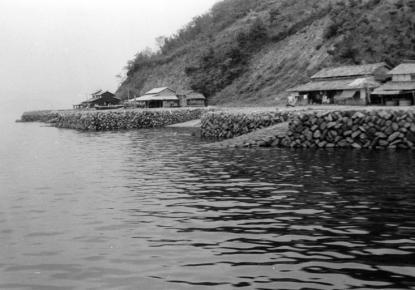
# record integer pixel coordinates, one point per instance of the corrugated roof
(398, 86)
(157, 90)
(156, 98)
(349, 70)
(329, 85)
(404, 68)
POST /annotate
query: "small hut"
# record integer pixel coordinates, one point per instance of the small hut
(191, 99)
(342, 85)
(159, 98)
(401, 90)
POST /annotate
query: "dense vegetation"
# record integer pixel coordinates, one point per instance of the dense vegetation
(373, 31)
(217, 53)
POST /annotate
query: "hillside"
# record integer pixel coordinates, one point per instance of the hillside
(248, 52)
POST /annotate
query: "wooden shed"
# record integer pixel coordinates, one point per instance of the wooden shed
(191, 98)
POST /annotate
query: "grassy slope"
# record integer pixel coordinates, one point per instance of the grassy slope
(297, 46)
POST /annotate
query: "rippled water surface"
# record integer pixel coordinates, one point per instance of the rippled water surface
(154, 209)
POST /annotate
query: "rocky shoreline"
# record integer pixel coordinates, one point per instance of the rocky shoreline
(367, 128)
(321, 127)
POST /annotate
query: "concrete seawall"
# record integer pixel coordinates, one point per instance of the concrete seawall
(113, 119)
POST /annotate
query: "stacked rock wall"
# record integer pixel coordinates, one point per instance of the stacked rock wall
(228, 124)
(116, 119)
(39, 116)
(372, 129)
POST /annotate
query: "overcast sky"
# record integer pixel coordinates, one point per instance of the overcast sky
(53, 53)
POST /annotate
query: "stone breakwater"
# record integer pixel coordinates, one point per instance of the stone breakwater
(114, 119)
(45, 116)
(372, 129)
(363, 129)
(229, 124)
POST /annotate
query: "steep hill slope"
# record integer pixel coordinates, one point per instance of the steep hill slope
(246, 52)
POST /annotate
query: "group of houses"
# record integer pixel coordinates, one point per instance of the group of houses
(365, 84)
(156, 98)
(359, 85)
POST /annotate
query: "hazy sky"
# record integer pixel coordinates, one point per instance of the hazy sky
(53, 53)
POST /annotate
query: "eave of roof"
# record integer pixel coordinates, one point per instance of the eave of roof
(398, 86)
(156, 98)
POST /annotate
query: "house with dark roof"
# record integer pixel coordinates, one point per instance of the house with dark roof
(99, 98)
(342, 85)
(401, 89)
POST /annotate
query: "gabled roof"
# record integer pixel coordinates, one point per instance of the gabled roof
(336, 85)
(349, 70)
(157, 90)
(404, 68)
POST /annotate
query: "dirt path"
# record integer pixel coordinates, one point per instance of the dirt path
(189, 124)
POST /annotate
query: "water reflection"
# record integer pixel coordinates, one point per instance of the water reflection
(153, 209)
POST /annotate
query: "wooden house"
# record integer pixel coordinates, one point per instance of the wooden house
(342, 85)
(99, 98)
(401, 89)
(191, 99)
(158, 98)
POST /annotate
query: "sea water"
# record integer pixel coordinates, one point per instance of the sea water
(156, 209)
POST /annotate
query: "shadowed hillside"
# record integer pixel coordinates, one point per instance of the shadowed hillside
(246, 52)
